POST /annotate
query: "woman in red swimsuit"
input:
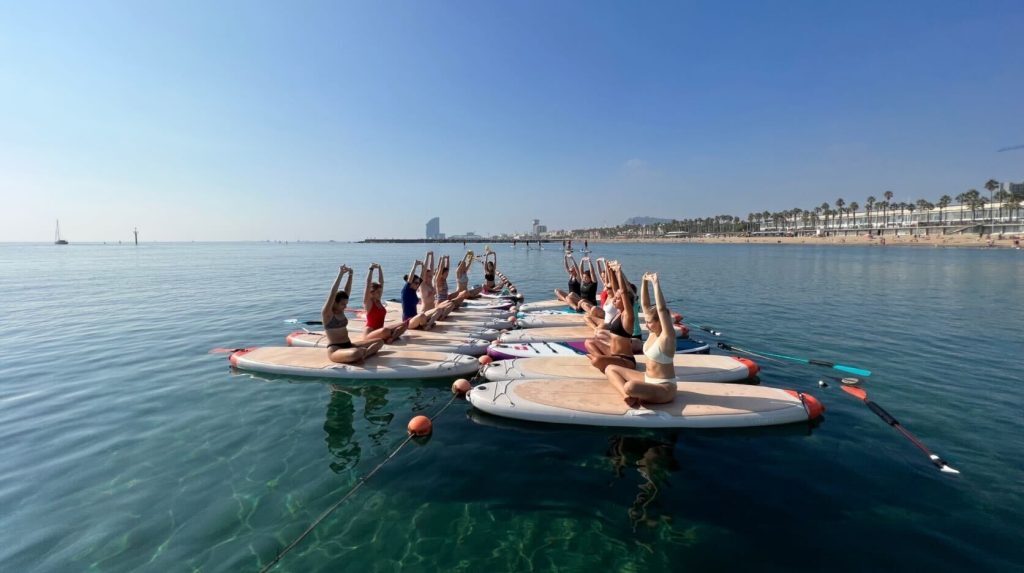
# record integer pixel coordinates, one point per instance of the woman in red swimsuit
(376, 312)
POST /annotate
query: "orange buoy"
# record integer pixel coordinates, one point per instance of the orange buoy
(420, 426)
(461, 386)
(485, 360)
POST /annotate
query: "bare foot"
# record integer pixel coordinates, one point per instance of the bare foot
(633, 402)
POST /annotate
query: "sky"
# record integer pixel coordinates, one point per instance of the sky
(343, 120)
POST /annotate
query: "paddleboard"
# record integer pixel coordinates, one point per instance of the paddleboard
(543, 305)
(548, 312)
(385, 365)
(455, 318)
(597, 403)
(395, 309)
(502, 351)
(689, 367)
(357, 324)
(410, 340)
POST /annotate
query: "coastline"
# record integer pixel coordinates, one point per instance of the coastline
(944, 241)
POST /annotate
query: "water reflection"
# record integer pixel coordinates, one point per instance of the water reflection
(653, 460)
(340, 422)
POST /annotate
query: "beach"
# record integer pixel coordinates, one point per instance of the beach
(943, 241)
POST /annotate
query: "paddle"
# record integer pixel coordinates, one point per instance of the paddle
(309, 322)
(888, 419)
(814, 361)
(725, 346)
(707, 329)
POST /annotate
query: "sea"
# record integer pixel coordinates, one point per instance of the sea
(126, 445)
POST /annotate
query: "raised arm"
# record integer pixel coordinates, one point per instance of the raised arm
(645, 292)
(366, 290)
(613, 277)
(428, 260)
(663, 313)
(570, 263)
(412, 271)
(601, 272)
(326, 311)
(468, 259)
(586, 265)
(628, 296)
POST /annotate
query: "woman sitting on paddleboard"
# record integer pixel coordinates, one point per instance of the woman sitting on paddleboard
(657, 385)
(340, 347)
(446, 300)
(613, 343)
(587, 298)
(490, 270)
(462, 277)
(376, 312)
(603, 314)
(411, 316)
(574, 279)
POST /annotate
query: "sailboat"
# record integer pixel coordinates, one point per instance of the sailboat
(56, 237)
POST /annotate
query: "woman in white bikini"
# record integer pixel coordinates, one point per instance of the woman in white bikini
(657, 385)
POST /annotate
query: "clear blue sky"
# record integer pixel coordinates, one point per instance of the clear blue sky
(258, 120)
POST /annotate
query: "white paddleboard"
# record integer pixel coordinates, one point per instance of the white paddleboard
(410, 340)
(385, 365)
(689, 367)
(597, 403)
(553, 304)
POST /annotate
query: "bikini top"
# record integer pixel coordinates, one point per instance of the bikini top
(653, 351)
(615, 327)
(337, 321)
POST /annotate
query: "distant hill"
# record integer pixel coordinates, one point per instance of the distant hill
(646, 221)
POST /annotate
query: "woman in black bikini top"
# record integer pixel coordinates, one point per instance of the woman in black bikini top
(340, 347)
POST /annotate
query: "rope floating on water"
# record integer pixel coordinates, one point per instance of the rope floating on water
(350, 493)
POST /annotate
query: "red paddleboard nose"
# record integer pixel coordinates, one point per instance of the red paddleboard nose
(814, 408)
(233, 359)
(752, 367)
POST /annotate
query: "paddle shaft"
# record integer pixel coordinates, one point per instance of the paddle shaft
(892, 421)
(809, 361)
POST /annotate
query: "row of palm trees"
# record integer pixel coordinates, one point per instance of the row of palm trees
(878, 215)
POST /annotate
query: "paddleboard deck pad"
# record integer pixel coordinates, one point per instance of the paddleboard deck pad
(597, 403)
(505, 351)
(689, 368)
(408, 341)
(385, 365)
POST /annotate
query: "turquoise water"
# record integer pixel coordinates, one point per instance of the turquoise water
(125, 446)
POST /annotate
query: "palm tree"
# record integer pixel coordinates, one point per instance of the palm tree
(1002, 196)
(840, 203)
(992, 185)
(870, 207)
(885, 205)
(944, 202)
(853, 212)
(971, 198)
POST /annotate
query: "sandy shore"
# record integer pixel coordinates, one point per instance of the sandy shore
(952, 241)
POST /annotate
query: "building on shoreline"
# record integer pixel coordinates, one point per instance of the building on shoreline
(434, 229)
(989, 219)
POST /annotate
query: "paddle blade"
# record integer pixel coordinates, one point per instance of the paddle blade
(852, 370)
(854, 391)
(291, 321)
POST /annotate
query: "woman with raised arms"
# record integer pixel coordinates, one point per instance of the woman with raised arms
(375, 310)
(657, 385)
(613, 342)
(340, 347)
